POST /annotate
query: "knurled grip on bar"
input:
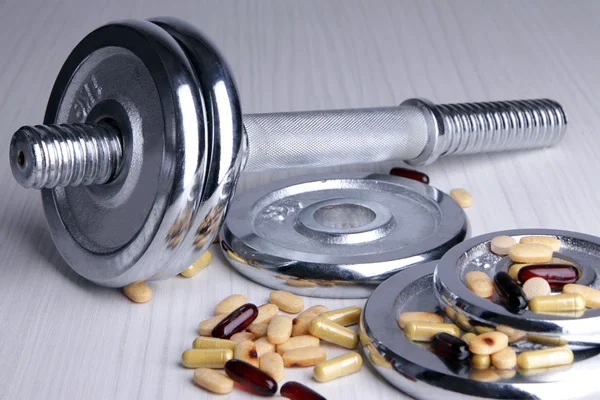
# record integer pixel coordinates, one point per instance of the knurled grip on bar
(417, 132)
(316, 139)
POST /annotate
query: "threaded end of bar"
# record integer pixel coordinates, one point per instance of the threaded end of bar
(48, 156)
(503, 125)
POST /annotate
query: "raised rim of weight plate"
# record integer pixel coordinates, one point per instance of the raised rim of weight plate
(579, 248)
(415, 370)
(182, 161)
(227, 141)
(338, 267)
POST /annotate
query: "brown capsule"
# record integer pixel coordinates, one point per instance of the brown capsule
(235, 322)
(251, 377)
(557, 275)
(297, 391)
(410, 174)
(450, 347)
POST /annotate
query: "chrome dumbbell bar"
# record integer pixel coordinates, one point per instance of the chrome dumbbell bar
(144, 141)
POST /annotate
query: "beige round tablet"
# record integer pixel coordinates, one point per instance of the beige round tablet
(530, 253)
(535, 287)
(500, 245)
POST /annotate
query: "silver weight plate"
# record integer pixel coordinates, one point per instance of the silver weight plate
(338, 235)
(416, 370)
(576, 329)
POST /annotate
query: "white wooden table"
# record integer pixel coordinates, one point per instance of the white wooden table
(64, 338)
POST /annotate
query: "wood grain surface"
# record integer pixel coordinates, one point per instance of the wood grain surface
(64, 338)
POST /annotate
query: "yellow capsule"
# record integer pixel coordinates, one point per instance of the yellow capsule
(213, 343)
(344, 316)
(206, 358)
(407, 317)
(558, 303)
(547, 340)
(480, 361)
(425, 331)
(545, 358)
(337, 367)
(591, 295)
(329, 331)
(198, 265)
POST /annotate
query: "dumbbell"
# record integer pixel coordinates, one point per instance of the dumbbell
(144, 141)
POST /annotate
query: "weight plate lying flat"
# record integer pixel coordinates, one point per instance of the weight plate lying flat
(415, 370)
(338, 235)
(474, 254)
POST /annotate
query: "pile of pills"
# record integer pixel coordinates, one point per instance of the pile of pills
(254, 345)
(534, 278)
(489, 353)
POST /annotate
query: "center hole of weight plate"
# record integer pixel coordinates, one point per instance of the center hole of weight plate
(20, 159)
(344, 216)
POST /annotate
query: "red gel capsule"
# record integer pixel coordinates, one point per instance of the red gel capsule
(297, 391)
(410, 174)
(557, 275)
(450, 347)
(235, 322)
(252, 378)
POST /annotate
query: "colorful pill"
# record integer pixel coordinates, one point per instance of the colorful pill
(235, 322)
(557, 275)
(251, 377)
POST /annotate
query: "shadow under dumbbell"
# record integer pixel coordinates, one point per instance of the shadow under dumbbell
(37, 240)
